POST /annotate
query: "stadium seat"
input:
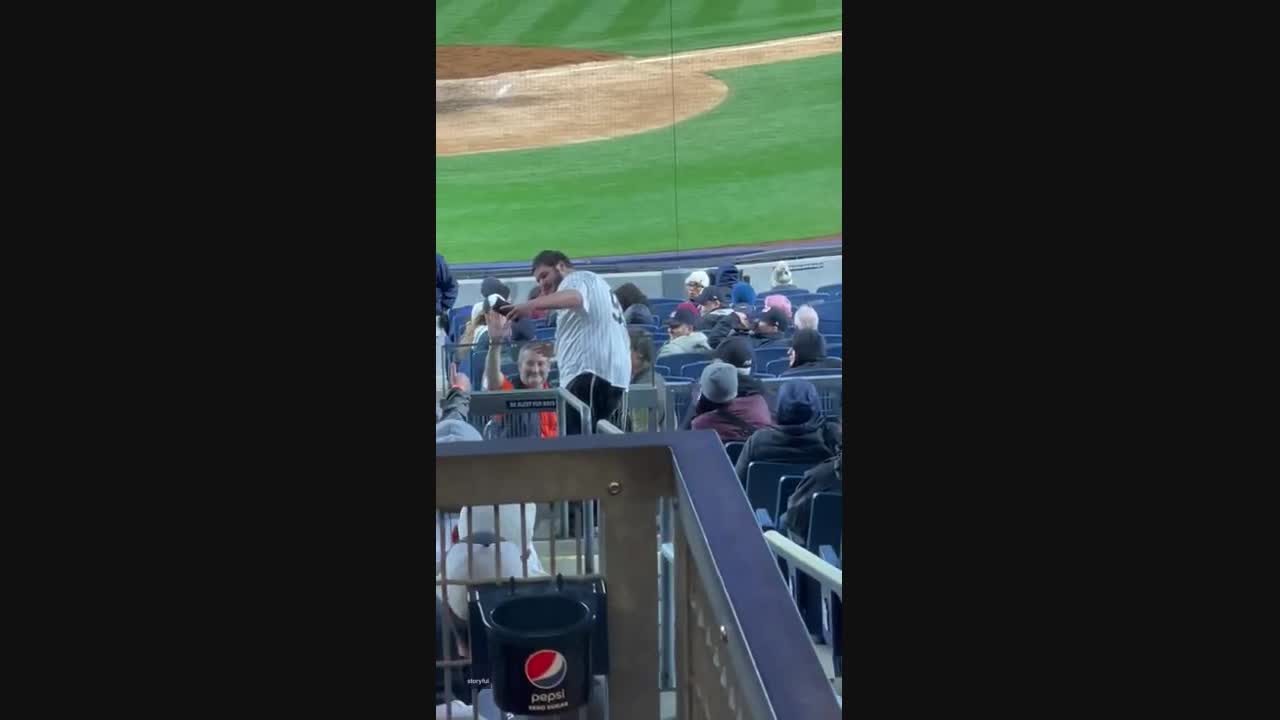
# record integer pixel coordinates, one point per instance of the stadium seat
(789, 292)
(787, 485)
(833, 616)
(829, 311)
(662, 310)
(545, 333)
(831, 289)
(662, 370)
(835, 351)
(764, 376)
(457, 324)
(828, 554)
(824, 529)
(761, 358)
(822, 372)
(807, 299)
(832, 339)
(677, 362)
(733, 450)
(777, 367)
(693, 371)
(763, 479)
(765, 521)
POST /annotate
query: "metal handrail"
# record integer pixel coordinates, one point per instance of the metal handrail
(584, 410)
(608, 428)
(815, 567)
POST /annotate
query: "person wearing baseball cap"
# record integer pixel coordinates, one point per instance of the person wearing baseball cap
(684, 338)
(771, 328)
(715, 305)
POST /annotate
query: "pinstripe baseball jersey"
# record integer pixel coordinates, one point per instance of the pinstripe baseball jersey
(593, 338)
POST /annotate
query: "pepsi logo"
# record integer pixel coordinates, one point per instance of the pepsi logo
(545, 669)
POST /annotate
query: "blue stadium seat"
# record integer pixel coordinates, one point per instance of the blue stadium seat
(763, 479)
(693, 371)
(787, 485)
(822, 372)
(662, 370)
(834, 289)
(765, 521)
(833, 616)
(678, 361)
(807, 299)
(789, 292)
(765, 376)
(763, 356)
(457, 324)
(825, 520)
(733, 450)
(777, 367)
(833, 312)
(835, 351)
(663, 307)
(832, 338)
(545, 333)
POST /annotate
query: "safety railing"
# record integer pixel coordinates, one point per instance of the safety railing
(828, 576)
(680, 394)
(798, 558)
(740, 648)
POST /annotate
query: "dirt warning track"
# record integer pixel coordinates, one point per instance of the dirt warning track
(494, 98)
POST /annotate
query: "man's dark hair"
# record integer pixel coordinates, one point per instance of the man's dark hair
(628, 295)
(550, 258)
(642, 343)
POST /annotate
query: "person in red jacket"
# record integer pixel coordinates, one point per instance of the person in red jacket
(533, 366)
(720, 409)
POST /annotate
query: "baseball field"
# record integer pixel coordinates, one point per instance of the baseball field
(606, 127)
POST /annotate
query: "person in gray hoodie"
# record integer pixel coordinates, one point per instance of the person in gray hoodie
(802, 435)
(683, 338)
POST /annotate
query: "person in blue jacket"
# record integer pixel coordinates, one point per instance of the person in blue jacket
(446, 288)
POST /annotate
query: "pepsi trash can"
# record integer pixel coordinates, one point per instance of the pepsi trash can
(540, 654)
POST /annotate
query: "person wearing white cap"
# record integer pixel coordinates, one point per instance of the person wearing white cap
(696, 283)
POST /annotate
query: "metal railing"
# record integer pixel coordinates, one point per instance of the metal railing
(798, 558)
(741, 650)
(679, 394)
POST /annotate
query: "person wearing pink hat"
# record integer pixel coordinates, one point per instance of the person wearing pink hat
(779, 301)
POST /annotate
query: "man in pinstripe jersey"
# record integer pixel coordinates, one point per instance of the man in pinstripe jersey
(593, 349)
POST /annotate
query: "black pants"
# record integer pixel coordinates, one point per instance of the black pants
(603, 398)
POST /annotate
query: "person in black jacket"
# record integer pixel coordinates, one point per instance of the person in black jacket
(771, 329)
(635, 305)
(802, 436)
(808, 352)
(446, 287)
(827, 477)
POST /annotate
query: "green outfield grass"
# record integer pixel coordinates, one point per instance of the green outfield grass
(632, 27)
(764, 165)
(745, 176)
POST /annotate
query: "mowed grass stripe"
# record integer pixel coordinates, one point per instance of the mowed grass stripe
(485, 25)
(798, 7)
(637, 16)
(555, 21)
(711, 13)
